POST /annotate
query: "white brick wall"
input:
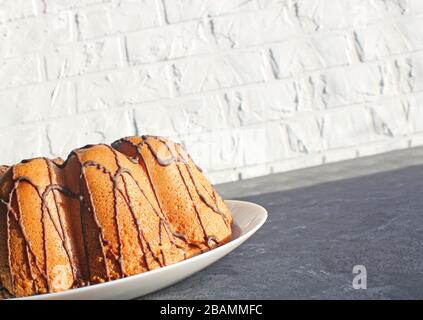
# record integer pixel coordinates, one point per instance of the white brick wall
(251, 87)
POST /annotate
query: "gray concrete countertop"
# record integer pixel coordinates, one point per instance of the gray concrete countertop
(322, 222)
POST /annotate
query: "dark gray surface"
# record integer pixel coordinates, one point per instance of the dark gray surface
(316, 234)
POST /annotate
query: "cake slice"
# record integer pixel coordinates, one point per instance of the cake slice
(192, 205)
(39, 231)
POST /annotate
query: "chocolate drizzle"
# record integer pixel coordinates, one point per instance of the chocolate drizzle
(30, 253)
(119, 180)
(178, 159)
(4, 294)
(90, 208)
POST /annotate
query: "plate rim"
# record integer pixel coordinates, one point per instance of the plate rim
(243, 237)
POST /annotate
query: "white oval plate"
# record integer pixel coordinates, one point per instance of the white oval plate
(248, 218)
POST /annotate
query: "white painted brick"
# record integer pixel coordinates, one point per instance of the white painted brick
(81, 58)
(278, 24)
(246, 106)
(22, 142)
(408, 28)
(68, 134)
(308, 54)
(335, 87)
(278, 141)
(415, 112)
(304, 161)
(347, 78)
(253, 172)
(383, 146)
(416, 140)
(36, 102)
(182, 10)
(394, 8)
(216, 151)
(317, 15)
(123, 16)
(211, 73)
(264, 144)
(181, 117)
(389, 118)
(170, 42)
(122, 87)
(348, 127)
(16, 9)
(236, 31)
(255, 145)
(364, 12)
(410, 73)
(25, 36)
(382, 40)
(19, 71)
(304, 135)
(222, 176)
(55, 6)
(340, 154)
(415, 6)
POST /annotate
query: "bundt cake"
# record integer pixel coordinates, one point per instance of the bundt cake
(105, 213)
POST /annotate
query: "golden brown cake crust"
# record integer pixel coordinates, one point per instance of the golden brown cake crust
(3, 170)
(105, 213)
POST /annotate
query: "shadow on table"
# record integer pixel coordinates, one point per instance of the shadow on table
(316, 235)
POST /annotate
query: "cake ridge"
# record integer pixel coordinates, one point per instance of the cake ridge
(174, 159)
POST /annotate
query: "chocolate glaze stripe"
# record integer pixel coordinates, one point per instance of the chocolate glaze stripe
(114, 178)
(140, 232)
(91, 209)
(194, 206)
(178, 235)
(100, 167)
(120, 173)
(116, 216)
(136, 160)
(34, 283)
(44, 245)
(165, 162)
(185, 160)
(3, 203)
(137, 226)
(83, 230)
(22, 230)
(4, 293)
(176, 157)
(9, 256)
(42, 195)
(177, 163)
(35, 287)
(212, 206)
(64, 239)
(162, 216)
(162, 162)
(28, 246)
(175, 160)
